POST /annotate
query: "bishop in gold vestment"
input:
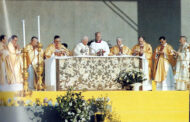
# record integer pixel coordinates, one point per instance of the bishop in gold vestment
(119, 49)
(164, 61)
(32, 61)
(56, 49)
(14, 62)
(144, 49)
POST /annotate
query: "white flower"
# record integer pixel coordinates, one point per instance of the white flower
(108, 99)
(83, 119)
(72, 113)
(70, 104)
(78, 111)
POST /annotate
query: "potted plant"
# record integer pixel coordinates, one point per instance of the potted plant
(100, 108)
(131, 79)
(73, 108)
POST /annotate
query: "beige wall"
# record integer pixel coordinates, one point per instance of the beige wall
(71, 20)
(74, 19)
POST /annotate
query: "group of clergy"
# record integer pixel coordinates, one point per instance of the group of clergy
(168, 68)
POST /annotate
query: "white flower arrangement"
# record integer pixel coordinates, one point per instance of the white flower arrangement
(130, 76)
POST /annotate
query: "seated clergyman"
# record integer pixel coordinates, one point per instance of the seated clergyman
(56, 49)
(82, 48)
(119, 49)
(99, 47)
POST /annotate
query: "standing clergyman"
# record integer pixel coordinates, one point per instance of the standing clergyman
(164, 61)
(182, 67)
(99, 47)
(32, 61)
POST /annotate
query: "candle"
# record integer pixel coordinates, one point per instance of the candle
(23, 25)
(39, 28)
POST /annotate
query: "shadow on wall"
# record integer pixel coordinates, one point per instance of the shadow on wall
(155, 18)
(160, 17)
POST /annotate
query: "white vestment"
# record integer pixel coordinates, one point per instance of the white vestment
(31, 71)
(81, 50)
(147, 84)
(96, 47)
(182, 67)
(169, 82)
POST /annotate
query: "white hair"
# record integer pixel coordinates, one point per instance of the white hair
(118, 38)
(84, 38)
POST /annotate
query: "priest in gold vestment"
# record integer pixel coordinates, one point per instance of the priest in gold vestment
(3, 54)
(119, 49)
(144, 49)
(56, 49)
(164, 61)
(32, 61)
(14, 62)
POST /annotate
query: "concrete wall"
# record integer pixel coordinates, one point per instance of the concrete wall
(74, 19)
(185, 18)
(71, 20)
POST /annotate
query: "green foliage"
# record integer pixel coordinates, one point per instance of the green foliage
(100, 104)
(73, 108)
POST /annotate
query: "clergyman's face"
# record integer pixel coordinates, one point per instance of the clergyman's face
(182, 41)
(57, 41)
(162, 41)
(85, 41)
(98, 37)
(119, 42)
(141, 41)
(4, 40)
(14, 41)
(34, 42)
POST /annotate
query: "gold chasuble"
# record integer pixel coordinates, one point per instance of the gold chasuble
(162, 62)
(50, 50)
(32, 59)
(14, 65)
(3, 50)
(116, 50)
(32, 56)
(147, 49)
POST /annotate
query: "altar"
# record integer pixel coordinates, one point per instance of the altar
(91, 72)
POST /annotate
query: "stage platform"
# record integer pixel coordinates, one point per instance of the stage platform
(131, 106)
